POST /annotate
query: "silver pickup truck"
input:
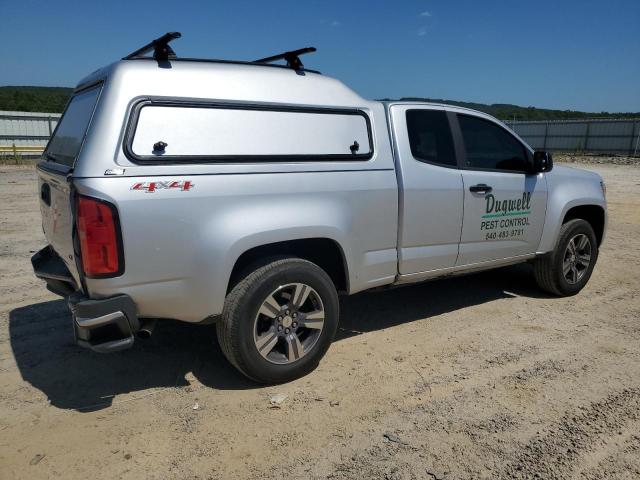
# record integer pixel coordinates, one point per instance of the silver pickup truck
(250, 193)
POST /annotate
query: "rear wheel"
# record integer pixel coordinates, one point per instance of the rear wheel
(567, 269)
(279, 321)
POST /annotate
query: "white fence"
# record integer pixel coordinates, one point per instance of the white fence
(606, 136)
(28, 131)
(25, 134)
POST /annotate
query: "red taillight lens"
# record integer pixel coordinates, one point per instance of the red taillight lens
(97, 225)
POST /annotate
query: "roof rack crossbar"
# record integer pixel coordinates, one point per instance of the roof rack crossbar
(160, 46)
(292, 58)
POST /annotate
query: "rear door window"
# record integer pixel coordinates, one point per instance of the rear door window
(64, 146)
(491, 147)
(430, 137)
(245, 133)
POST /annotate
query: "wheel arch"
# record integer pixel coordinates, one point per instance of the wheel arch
(593, 214)
(325, 252)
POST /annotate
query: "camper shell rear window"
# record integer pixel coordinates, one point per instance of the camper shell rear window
(65, 144)
(191, 132)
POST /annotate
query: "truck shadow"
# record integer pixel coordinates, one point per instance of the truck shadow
(79, 379)
(376, 310)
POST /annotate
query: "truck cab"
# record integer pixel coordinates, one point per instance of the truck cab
(249, 194)
(468, 164)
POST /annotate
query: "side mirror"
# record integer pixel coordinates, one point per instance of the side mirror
(542, 162)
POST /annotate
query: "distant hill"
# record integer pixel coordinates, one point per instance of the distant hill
(34, 99)
(54, 99)
(505, 111)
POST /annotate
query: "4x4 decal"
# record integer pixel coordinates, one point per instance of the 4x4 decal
(150, 187)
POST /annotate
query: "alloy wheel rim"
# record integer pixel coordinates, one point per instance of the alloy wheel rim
(577, 258)
(289, 323)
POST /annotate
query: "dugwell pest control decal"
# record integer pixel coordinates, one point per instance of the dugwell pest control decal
(505, 218)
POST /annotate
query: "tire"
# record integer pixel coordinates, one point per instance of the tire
(249, 320)
(549, 270)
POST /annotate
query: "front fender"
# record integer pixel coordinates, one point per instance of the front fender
(568, 188)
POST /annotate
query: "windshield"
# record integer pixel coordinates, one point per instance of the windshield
(65, 144)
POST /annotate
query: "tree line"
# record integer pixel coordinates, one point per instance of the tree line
(505, 111)
(34, 99)
(54, 99)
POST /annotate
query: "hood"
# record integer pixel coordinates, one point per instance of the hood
(569, 173)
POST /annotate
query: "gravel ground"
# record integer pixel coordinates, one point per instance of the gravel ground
(482, 376)
(596, 159)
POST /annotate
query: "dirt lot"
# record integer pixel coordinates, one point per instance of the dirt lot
(476, 377)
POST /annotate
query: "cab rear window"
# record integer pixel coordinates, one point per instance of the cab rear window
(65, 144)
(237, 133)
(430, 137)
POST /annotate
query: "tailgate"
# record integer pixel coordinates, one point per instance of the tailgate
(59, 158)
(57, 216)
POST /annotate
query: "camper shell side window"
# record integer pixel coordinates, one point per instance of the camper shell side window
(189, 132)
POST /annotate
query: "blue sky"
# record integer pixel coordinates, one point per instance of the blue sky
(567, 54)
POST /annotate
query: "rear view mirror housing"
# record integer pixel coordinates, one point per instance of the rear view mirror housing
(542, 162)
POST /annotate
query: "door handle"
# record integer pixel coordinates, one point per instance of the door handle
(480, 188)
(45, 194)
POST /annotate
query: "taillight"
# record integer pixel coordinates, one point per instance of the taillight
(98, 231)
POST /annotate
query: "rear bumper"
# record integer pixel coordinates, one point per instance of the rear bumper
(105, 325)
(48, 266)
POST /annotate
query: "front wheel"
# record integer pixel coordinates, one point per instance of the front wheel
(567, 269)
(279, 321)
